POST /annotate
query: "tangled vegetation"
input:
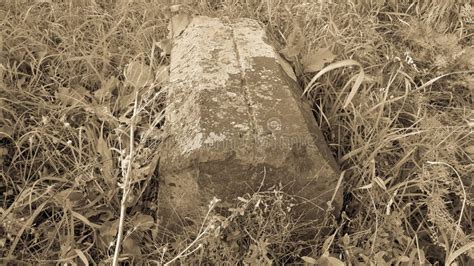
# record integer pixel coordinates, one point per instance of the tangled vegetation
(81, 110)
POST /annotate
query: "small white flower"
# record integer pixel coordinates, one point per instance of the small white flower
(213, 202)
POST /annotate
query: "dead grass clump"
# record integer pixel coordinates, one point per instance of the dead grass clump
(261, 229)
(384, 137)
(65, 108)
(81, 109)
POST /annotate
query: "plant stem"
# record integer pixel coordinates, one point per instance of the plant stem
(126, 186)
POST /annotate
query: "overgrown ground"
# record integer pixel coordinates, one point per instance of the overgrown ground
(68, 84)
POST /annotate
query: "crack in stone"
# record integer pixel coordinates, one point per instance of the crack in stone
(245, 88)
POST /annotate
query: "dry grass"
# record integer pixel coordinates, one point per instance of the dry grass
(68, 103)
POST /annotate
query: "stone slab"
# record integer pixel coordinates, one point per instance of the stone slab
(235, 120)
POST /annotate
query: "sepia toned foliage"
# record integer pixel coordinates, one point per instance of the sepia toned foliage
(81, 110)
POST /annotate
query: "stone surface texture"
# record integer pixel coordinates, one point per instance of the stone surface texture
(235, 123)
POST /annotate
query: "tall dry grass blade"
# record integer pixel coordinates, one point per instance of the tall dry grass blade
(459, 252)
(340, 64)
(26, 225)
(431, 81)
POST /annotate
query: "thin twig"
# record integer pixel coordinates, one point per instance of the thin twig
(126, 185)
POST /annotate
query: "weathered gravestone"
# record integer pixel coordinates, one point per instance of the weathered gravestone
(236, 120)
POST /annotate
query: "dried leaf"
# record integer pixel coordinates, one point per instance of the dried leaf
(175, 8)
(82, 256)
(61, 196)
(146, 171)
(100, 214)
(131, 247)
(107, 161)
(162, 74)
(5, 131)
(402, 259)
(69, 97)
(380, 182)
(165, 46)
(177, 25)
(295, 42)
(326, 260)
(3, 153)
(76, 196)
(124, 101)
(316, 60)
(84, 220)
(109, 229)
(103, 113)
(138, 74)
(379, 259)
(286, 67)
(106, 89)
(331, 261)
(107, 233)
(143, 222)
(327, 242)
(2, 69)
(346, 240)
(309, 260)
(469, 149)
